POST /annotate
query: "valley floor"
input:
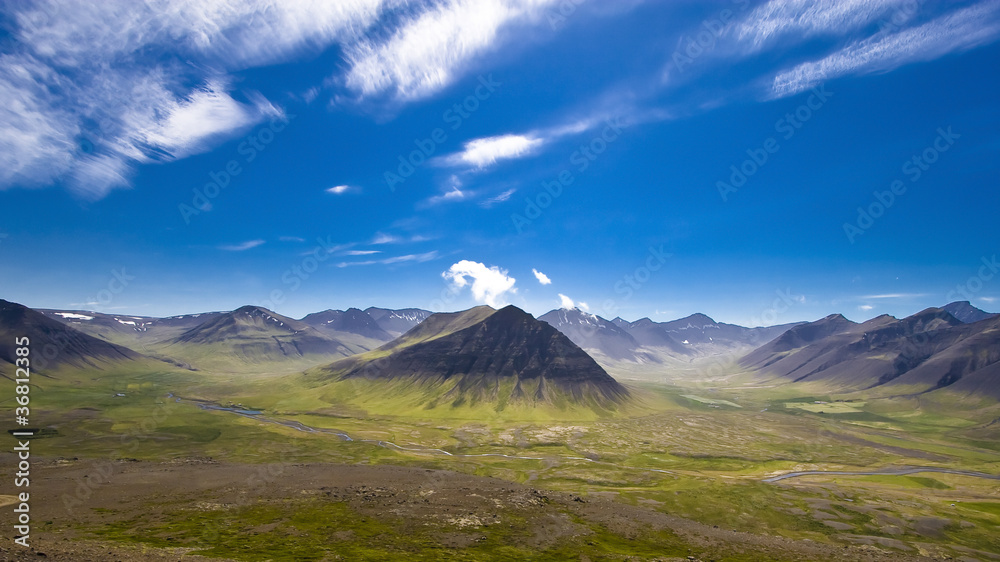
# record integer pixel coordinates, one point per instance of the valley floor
(125, 471)
(196, 509)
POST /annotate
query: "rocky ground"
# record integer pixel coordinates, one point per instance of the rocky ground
(460, 509)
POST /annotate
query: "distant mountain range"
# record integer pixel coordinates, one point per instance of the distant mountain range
(253, 333)
(510, 357)
(352, 321)
(53, 344)
(927, 351)
(645, 341)
(126, 330)
(397, 322)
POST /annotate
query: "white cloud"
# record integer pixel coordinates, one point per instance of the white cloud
(361, 252)
(339, 189)
(958, 31)
(243, 246)
(499, 198)
(483, 152)
(488, 284)
(454, 194)
(85, 104)
(478, 154)
(542, 278)
(990, 300)
(93, 89)
(865, 307)
(419, 258)
(291, 239)
(565, 302)
(428, 50)
(382, 238)
(190, 123)
(583, 306)
(808, 18)
(895, 296)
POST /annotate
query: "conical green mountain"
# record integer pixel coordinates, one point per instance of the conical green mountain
(484, 356)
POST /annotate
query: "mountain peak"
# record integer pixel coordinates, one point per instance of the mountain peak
(478, 351)
(965, 312)
(698, 319)
(75, 347)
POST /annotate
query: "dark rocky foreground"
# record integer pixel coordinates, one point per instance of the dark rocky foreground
(460, 510)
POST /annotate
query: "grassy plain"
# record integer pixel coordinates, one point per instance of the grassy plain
(684, 449)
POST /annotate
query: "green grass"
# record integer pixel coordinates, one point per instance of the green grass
(907, 481)
(993, 508)
(306, 530)
(711, 401)
(717, 455)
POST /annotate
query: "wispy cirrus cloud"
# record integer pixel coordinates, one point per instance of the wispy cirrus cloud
(952, 32)
(803, 19)
(431, 48)
(483, 152)
(417, 258)
(896, 296)
(499, 198)
(242, 246)
(94, 89)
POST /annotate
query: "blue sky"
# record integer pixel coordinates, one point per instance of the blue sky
(760, 162)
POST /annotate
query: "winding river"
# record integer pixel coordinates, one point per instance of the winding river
(885, 472)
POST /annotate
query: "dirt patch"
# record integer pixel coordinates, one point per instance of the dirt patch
(464, 507)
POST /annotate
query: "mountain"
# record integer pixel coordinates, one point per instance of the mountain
(52, 343)
(128, 330)
(654, 334)
(481, 355)
(397, 322)
(351, 321)
(926, 351)
(255, 334)
(593, 333)
(645, 341)
(964, 311)
(700, 329)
